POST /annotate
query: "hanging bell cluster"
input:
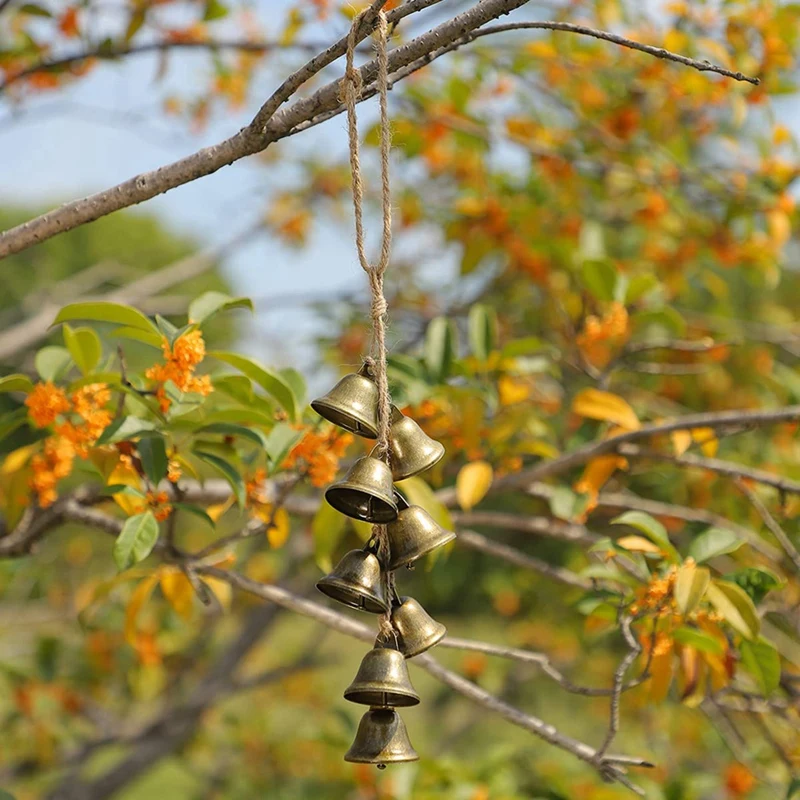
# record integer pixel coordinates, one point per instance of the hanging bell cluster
(360, 579)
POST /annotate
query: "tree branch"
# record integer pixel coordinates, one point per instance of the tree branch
(269, 125)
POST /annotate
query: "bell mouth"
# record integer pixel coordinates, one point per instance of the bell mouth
(354, 502)
(379, 698)
(352, 598)
(361, 427)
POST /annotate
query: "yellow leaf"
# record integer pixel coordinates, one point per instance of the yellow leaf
(681, 441)
(221, 589)
(127, 476)
(141, 594)
(179, 593)
(278, 532)
(512, 390)
(638, 544)
(216, 511)
(661, 669)
(691, 583)
(707, 439)
(186, 467)
(607, 407)
(597, 472)
(472, 483)
(779, 225)
(17, 459)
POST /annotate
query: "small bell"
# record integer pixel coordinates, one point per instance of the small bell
(411, 449)
(382, 680)
(352, 404)
(416, 629)
(413, 534)
(356, 582)
(366, 493)
(382, 738)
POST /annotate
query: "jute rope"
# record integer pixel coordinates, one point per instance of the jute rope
(351, 90)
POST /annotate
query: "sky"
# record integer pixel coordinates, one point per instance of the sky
(108, 127)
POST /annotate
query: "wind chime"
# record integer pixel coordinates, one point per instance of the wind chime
(401, 533)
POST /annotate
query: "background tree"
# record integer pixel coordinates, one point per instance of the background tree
(611, 364)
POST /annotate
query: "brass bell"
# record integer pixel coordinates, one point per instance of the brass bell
(411, 449)
(352, 404)
(382, 680)
(356, 582)
(417, 630)
(382, 738)
(413, 534)
(366, 493)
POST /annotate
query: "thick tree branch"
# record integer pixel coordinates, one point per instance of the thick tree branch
(270, 125)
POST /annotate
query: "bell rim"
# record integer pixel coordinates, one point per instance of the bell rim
(393, 697)
(410, 754)
(379, 606)
(395, 564)
(426, 644)
(334, 489)
(388, 759)
(363, 427)
(401, 475)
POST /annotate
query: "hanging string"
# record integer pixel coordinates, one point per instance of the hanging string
(351, 87)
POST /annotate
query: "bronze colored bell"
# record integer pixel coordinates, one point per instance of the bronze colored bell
(416, 629)
(382, 680)
(411, 449)
(382, 738)
(356, 582)
(366, 493)
(413, 534)
(352, 404)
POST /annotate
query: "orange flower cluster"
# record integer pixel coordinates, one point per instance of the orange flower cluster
(657, 596)
(181, 360)
(73, 437)
(600, 336)
(159, 504)
(255, 489)
(319, 454)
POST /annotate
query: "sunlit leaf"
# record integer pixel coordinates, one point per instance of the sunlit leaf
(84, 347)
(102, 311)
(440, 348)
(207, 305)
(712, 543)
(177, 589)
(420, 494)
(691, 583)
(699, 640)
(606, 407)
(228, 471)
(761, 660)
(136, 540)
(735, 606)
(52, 362)
(482, 324)
(650, 527)
(141, 594)
(16, 383)
(472, 483)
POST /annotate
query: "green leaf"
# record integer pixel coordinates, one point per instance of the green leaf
(101, 311)
(591, 241)
(136, 540)
(563, 502)
(281, 439)
(84, 347)
(241, 416)
(327, 529)
(793, 790)
(153, 453)
(482, 326)
(135, 23)
(756, 581)
(121, 488)
(714, 542)
(271, 382)
(651, 528)
(12, 421)
(34, 10)
(735, 606)
(51, 362)
(197, 511)
(214, 10)
(138, 335)
(419, 493)
(440, 348)
(761, 660)
(4, 795)
(698, 639)
(230, 429)
(210, 303)
(16, 383)
(600, 278)
(167, 329)
(228, 471)
(125, 428)
(298, 384)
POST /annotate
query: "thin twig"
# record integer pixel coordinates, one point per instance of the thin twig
(769, 520)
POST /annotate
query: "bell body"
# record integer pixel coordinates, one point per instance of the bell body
(411, 449)
(366, 493)
(352, 404)
(417, 630)
(356, 582)
(382, 738)
(382, 680)
(414, 534)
